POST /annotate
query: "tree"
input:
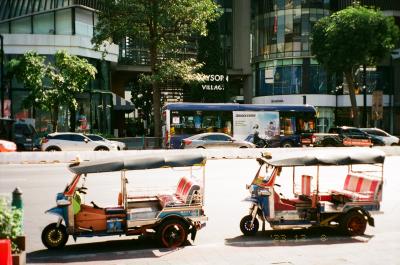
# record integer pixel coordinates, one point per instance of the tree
(162, 25)
(350, 38)
(52, 85)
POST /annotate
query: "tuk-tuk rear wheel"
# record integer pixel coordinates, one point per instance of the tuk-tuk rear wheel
(54, 237)
(247, 228)
(172, 233)
(353, 224)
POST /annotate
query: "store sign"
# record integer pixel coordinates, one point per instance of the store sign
(214, 82)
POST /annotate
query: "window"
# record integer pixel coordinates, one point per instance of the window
(21, 26)
(64, 137)
(77, 138)
(4, 28)
(83, 22)
(43, 24)
(64, 22)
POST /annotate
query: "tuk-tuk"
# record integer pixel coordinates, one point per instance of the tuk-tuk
(170, 216)
(347, 208)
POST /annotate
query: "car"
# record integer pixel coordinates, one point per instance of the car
(382, 135)
(214, 140)
(96, 137)
(7, 146)
(74, 142)
(22, 133)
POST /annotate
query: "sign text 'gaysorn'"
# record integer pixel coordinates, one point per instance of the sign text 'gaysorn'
(214, 82)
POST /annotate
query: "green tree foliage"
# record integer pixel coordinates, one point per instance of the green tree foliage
(350, 38)
(10, 223)
(52, 85)
(163, 25)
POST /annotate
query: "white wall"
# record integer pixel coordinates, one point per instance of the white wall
(317, 100)
(49, 44)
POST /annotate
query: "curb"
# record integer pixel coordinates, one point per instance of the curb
(74, 156)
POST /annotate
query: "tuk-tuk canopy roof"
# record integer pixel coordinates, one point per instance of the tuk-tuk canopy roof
(334, 157)
(137, 163)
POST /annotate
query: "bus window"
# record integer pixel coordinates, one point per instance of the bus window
(288, 125)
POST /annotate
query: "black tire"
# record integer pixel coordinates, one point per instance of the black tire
(287, 144)
(172, 233)
(53, 149)
(353, 223)
(243, 147)
(200, 147)
(101, 148)
(246, 227)
(54, 237)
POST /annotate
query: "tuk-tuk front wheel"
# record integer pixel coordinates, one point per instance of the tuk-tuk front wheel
(353, 224)
(54, 237)
(172, 233)
(248, 228)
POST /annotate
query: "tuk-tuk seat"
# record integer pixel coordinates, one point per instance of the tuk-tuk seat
(359, 188)
(306, 185)
(186, 192)
(283, 204)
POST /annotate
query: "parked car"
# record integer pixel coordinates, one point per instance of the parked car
(386, 138)
(96, 137)
(338, 136)
(214, 140)
(21, 133)
(74, 142)
(7, 146)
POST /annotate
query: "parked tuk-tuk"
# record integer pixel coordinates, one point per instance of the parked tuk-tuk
(172, 216)
(348, 208)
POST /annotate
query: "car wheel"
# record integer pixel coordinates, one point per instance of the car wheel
(53, 149)
(287, 144)
(54, 237)
(353, 223)
(172, 233)
(243, 147)
(247, 228)
(102, 148)
(201, 147)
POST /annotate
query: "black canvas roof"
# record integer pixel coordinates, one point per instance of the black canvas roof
(337, 156)
(137, 163)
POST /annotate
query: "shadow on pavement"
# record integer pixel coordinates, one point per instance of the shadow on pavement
(102, 251)
(297, 237)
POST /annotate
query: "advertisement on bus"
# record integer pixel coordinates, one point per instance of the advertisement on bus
(256, 126)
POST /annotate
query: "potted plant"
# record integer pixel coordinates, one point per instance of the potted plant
(11, 228)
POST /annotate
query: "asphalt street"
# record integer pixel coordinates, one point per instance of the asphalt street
(221, 241)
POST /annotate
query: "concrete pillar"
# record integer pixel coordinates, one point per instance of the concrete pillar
(241, 45)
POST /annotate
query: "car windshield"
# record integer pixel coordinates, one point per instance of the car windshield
(95, 137)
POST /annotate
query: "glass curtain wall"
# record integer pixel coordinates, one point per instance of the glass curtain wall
(281, 46)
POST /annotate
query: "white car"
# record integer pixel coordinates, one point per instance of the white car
(74, 142)
(382, 135)
(95, 137)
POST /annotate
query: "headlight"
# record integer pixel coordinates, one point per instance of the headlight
(264, 192)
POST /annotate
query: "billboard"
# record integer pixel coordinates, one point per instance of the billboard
(263, 123)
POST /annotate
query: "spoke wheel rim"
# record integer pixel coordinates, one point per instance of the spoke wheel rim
(54, 237)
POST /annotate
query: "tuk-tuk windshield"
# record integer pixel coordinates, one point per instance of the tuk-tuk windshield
(263, 175)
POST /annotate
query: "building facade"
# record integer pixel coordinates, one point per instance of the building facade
(46, 26)
(284, 70)
(259, 51)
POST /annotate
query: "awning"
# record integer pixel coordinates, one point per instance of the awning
(122, 104)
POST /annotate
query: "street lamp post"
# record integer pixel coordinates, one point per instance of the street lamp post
(365, 96)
